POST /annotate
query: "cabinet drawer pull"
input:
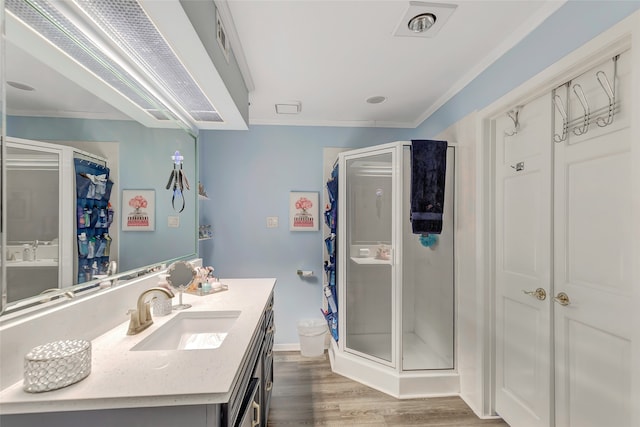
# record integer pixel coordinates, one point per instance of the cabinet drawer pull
(270, 353)
(271, 329)
(256, 414)
(269, 385)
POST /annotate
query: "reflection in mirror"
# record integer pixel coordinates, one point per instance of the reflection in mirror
(33, 221)
(181, 275)
(63, 115)
(3, 154)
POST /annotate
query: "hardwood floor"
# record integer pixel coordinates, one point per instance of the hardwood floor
(307, 393)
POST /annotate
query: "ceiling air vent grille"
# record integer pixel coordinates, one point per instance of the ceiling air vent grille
(221, 35)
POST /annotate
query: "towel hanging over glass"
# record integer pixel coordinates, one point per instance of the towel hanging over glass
(428, 173)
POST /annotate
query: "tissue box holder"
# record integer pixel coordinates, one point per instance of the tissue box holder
(56, 364)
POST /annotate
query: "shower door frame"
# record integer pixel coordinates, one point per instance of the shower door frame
(394, 149)
(66, 212)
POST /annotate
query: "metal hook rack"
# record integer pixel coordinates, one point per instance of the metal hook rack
(514, 115)
(586, 117)
(564, 112)
(611, 93)
(603, 115)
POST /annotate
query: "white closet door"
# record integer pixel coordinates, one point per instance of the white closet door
(523, 265)
(592, 243)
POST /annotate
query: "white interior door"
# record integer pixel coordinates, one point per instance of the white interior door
(523, 266)
(592, 243)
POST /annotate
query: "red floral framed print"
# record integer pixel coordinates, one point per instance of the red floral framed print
(138, 210)
(303, 211)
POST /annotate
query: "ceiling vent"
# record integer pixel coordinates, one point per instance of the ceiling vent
(423, 19)
(221, 36)
(289, 108)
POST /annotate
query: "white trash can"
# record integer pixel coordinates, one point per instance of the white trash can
(311, 333)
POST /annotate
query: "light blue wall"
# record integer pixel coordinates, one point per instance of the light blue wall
(249, 174)
(144, 163)
(574, 24)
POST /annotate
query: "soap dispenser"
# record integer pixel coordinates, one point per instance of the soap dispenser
(27, 252)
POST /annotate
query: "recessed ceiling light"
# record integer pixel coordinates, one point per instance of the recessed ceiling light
(422, 22)
(422, 19)
(376, 99)
(20, 86)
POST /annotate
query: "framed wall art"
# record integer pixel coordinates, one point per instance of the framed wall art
(303, 211)
(138, 210)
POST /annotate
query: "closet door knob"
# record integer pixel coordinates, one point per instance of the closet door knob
(538, 293)
(562, 299)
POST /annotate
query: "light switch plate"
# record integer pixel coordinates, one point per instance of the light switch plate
(173, 222)
(272, 222)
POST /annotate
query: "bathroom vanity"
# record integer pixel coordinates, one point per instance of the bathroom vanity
(145, 379)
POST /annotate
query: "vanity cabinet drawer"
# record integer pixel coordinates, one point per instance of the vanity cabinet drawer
(267, 359)
(257, 369)
(268, 313)
(250, 414)
(231, 410)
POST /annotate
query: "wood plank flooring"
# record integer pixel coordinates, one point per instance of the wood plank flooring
(307, 393)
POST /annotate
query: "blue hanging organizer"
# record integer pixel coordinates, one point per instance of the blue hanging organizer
(331, 289)
(94, 216)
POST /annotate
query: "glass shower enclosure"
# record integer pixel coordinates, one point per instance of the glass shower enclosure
(397, 288)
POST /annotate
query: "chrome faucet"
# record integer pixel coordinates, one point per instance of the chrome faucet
(141, 316)
(34, 246)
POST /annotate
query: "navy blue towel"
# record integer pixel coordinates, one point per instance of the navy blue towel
(428, 172)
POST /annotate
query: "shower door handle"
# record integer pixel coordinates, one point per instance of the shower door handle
(539, 293)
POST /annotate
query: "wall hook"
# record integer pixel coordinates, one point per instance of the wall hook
(518, 166)
(565, 118)
(515, 116)
(577, 89)
(611, 93)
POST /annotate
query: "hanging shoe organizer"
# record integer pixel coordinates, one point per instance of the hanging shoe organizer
(330, 290)
(93, 218)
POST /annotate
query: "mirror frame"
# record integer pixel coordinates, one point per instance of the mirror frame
(3, 155)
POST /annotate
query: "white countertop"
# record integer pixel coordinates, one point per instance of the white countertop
(121, 378)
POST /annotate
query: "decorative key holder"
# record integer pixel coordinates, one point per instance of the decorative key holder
(178, 180)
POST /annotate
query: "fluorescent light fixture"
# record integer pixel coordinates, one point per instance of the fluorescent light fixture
(118, 42)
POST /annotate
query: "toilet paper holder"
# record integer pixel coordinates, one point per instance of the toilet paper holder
(304, 273)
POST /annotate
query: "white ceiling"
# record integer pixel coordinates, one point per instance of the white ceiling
(331, 55)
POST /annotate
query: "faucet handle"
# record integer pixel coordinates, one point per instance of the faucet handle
(134, 323)
(146, 315)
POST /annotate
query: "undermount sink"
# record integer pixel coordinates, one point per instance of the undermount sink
(196, 330)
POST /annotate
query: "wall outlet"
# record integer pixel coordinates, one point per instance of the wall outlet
(173, 222)
(272, 222)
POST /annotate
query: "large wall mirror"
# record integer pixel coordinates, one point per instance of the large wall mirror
(49, 116)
